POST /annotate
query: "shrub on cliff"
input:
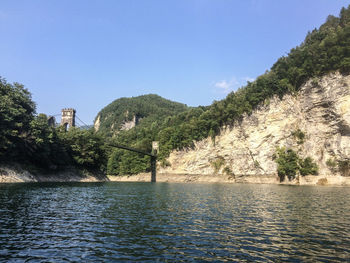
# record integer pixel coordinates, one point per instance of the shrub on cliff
(289, 164)
(341, 166)
(308, 166)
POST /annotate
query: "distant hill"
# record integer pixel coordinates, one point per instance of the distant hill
(126, 113)
(86, 127)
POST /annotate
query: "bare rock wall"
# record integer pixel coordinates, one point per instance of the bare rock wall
(321, 110)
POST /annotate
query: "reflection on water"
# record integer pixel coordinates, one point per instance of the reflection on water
(89, 222)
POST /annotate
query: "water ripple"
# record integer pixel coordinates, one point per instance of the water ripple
(106, 222)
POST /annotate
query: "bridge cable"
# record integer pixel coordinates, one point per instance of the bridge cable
(79, 124)
(81, 120)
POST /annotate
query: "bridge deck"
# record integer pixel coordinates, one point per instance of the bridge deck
(153, 158)
(131, 149)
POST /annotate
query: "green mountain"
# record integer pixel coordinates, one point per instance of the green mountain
(324, 50)
(126, 113)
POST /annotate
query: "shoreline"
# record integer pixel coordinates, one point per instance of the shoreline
(173, 178)
(320, 180)
(16, 174)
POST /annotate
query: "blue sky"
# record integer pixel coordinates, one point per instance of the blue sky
(85, 54)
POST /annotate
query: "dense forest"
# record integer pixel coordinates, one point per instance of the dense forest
(26, 137)
(145, 109)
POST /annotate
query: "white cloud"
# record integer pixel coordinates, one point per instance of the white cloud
(226, 86)
(246, 79)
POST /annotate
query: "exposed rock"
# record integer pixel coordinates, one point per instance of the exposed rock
(97, 123)
(321, 110)
(127, 125)
(14, 173)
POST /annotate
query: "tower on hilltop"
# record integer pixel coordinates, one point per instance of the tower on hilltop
(68, 118)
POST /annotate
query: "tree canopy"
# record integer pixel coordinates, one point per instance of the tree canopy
(27, 138)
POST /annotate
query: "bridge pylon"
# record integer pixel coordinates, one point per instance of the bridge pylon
(68, 118)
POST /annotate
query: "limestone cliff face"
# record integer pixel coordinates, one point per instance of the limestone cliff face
(97, 123)
(321, 110)
(127, 125)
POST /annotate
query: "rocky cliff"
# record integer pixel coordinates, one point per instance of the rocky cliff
(320, 112)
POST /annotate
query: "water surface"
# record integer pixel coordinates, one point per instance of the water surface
(106, 222)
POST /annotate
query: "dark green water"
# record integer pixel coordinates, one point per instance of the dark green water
(107, 222)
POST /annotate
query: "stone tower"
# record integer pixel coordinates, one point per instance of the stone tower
(51, 121)
(68, 118)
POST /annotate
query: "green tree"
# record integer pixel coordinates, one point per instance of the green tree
(16, 112)
(287, 161)
(307, 166)
(289, 164)
(86, 148)
(113, 165)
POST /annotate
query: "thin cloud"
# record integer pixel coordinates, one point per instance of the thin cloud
(248, 79)
(226, 86)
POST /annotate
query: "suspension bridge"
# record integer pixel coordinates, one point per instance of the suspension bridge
(69, 118)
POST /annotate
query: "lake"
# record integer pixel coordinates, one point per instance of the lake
(173, 222)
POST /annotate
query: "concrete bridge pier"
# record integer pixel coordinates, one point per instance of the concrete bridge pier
(153, 168)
